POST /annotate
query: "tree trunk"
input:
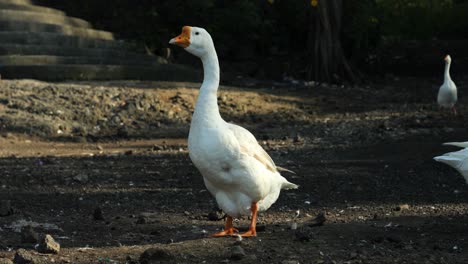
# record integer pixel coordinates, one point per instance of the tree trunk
(325, 53)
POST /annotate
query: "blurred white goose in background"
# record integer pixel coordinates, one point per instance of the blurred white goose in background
(235, 168)
(457, 159)
(447, 96)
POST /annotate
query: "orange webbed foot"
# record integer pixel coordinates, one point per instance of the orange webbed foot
(226, 232)
(250, 233)
(229, 230)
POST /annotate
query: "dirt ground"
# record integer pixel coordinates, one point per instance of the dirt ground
(362, 154)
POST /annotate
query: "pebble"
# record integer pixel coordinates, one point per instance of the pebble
(24, 256)
(237, 253)
(215, 216)
(47, 244)
(81, 178)
(402, 207)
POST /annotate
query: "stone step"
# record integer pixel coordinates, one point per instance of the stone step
(16, 2)
(20, 49)
(103, 60)
(47, 18)
(46, 38)
(59, 72)
(11, 25)
(31, 8)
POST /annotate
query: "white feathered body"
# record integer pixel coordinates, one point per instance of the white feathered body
(226, 157)
(447, 96)
(235, 168)
(457, 159)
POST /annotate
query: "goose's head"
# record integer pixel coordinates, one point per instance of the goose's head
(194, 40)
(448, 59)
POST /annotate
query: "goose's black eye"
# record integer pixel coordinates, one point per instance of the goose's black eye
(197, 33)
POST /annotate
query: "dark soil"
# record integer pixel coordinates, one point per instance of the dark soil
(104, 169)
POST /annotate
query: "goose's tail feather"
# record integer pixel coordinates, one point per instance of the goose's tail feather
(457, 144)
(287, 186)
(457, 161)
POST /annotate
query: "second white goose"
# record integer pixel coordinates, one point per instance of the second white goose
(447, 96)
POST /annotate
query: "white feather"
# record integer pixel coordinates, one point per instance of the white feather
(457, 159)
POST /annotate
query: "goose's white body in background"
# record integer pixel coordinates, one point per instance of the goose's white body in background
(457, 159)
(235, 168)
(447, 96)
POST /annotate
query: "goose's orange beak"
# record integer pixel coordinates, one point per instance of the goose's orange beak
(183, 40)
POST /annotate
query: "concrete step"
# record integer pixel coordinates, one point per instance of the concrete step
(164, 72)
(20, 49)
(46, 38)
(16, 2)
(31, 8)
(47, 18)
(11, 25)
(102, 60)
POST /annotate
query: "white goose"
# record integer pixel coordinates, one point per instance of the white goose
(235, 168)
(447, 96)
(458, 159)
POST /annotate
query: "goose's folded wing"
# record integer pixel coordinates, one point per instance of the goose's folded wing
(249, 145)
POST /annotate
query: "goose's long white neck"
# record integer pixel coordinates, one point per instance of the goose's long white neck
(447, 72)
(206, 109)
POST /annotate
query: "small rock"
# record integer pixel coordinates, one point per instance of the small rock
(97, 215)
(402, 207)
(5, 261)
(5, 208)
(48, 245)
(237, 253)
(215, 215)
(81, 178)
(24, 256)
(155, 255)
(319, 220)
(157, 147)
(28, 235)
(128, 152)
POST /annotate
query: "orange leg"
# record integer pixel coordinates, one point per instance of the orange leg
(252, 229)
(229, 229)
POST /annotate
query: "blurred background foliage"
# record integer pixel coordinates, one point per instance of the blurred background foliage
(268, 38)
